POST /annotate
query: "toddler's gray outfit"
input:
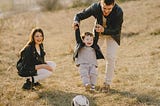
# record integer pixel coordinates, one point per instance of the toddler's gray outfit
(87, 63)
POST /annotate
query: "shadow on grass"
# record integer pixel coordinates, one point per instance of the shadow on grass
(60, 98)
(141, 98)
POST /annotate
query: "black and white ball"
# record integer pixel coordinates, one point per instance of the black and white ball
(80, 100)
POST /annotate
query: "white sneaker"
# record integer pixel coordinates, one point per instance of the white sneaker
(87, 87)
(92, 89)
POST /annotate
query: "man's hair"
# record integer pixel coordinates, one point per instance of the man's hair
(87, 34)
(108, 2)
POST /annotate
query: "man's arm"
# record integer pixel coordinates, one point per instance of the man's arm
(96, 37)
(85, 13)
(77, 35)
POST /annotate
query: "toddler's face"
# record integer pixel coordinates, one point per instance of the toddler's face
(88, 40)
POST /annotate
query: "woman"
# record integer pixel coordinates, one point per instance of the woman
(33, 53)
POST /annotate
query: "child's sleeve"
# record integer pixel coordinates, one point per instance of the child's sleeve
(77, 36)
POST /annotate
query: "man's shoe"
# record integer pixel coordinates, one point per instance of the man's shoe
(105, 88)
(27, 85)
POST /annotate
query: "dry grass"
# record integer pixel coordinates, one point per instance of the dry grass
(49, 5)
(137, 78)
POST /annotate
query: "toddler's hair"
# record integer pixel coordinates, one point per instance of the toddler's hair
(87, 34)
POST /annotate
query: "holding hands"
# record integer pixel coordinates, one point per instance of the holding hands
(75, 25)
(99, 28)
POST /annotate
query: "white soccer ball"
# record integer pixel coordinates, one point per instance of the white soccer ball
(80, 100)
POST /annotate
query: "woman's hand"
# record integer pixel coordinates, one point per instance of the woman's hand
(44, 66)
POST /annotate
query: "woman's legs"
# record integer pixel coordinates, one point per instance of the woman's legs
(43, 73)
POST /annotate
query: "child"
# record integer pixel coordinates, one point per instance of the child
(85, 55)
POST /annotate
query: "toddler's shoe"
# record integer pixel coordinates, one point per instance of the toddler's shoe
(92, 89)
(87, 87)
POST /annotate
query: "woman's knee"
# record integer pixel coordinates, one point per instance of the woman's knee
(51, 63)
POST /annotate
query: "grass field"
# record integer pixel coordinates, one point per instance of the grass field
(137, 74)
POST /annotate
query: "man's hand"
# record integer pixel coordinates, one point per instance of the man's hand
(75, 25)
(99, 28)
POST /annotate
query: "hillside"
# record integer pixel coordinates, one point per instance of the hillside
(137, 74)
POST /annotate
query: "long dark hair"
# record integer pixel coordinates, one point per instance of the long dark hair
(31, 40)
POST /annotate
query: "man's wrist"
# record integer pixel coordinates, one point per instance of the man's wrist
(76, 22)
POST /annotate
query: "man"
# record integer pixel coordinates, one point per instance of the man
(109, 19)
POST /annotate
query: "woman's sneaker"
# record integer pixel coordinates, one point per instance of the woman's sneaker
(37, 84)
(27, 85)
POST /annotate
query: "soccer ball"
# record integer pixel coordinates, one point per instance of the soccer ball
(80, 100)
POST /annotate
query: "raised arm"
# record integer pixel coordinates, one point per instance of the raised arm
(96, 37)
(77, 35)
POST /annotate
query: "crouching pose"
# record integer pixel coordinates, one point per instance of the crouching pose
(34, 63)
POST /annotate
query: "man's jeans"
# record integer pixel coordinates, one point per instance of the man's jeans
(111, 49)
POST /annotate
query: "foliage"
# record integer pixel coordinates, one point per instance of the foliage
(79, 3)
(49, 5)
(136, 81)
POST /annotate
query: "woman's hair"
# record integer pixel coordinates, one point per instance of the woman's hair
(87, 34)
(31, 40)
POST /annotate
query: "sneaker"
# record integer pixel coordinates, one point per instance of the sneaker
(92, 89)
(87, 87)
(37, 84)
(105, 88)
(27, 85)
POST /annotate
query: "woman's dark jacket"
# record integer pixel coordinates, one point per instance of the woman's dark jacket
(80, 44)
(32, 58)
(113, 21)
